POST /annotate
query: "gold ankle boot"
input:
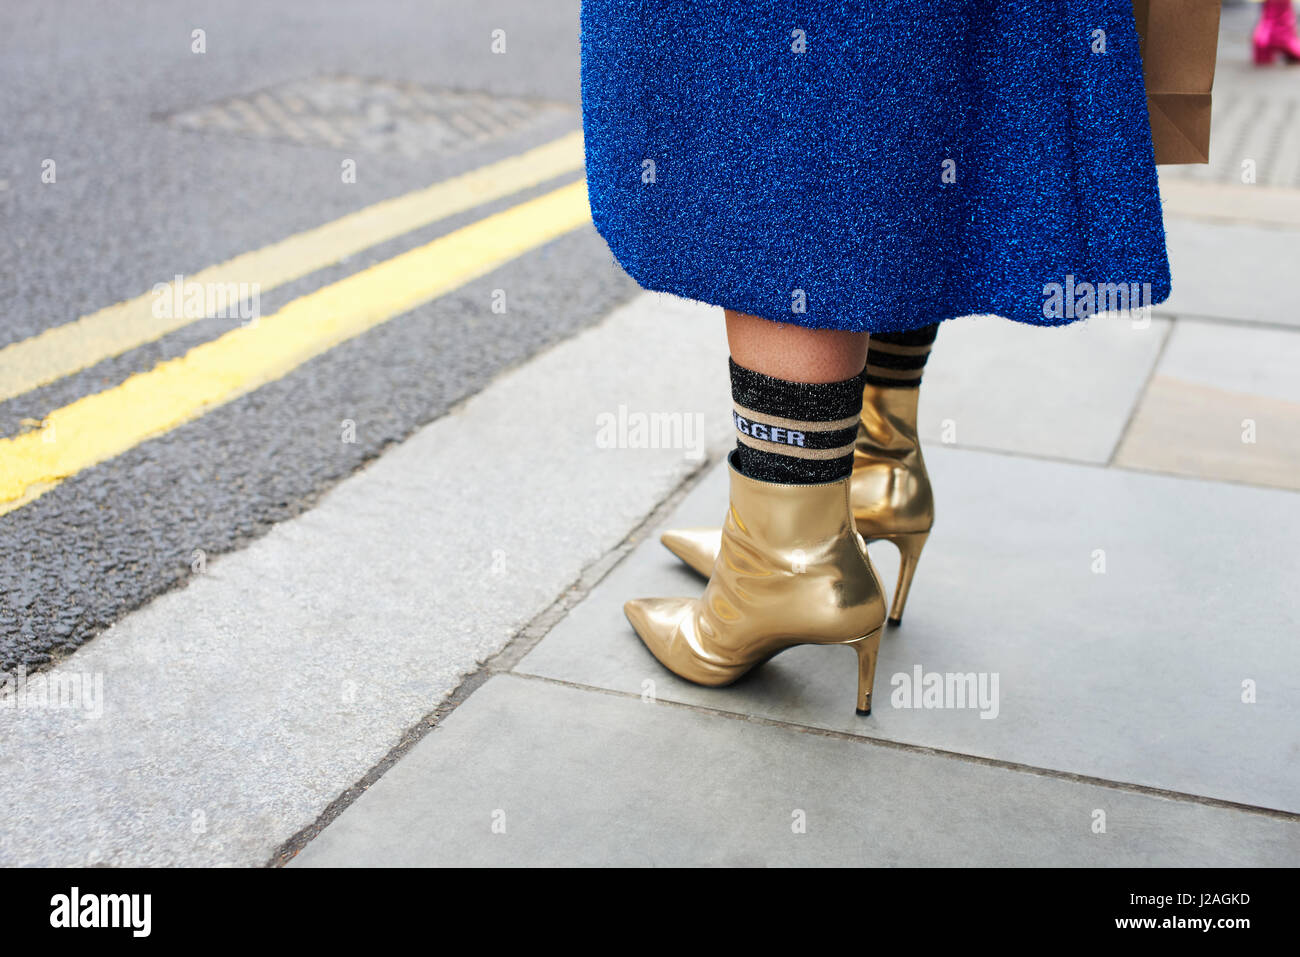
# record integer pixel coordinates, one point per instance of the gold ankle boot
(891, 495)
(790, 570)
(890, 492)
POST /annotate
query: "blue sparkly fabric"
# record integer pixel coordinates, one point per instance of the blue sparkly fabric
(723, 166)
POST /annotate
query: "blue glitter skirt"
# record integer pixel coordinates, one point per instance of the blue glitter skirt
(878, 165)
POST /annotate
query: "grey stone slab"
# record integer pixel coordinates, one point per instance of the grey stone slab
(529, 773)
(1064, 392)
(1135, 674)
(1224, 404)
(1186, 428)
(1232, 271)
(1252, 361)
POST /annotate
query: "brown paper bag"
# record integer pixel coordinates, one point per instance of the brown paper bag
(1180, 40)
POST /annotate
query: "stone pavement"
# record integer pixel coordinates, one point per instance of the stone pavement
(431, 666)
(1113, 564)
(1121, 703)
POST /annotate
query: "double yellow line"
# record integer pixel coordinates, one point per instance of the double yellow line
(105, 424)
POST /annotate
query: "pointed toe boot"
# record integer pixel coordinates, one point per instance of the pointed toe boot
(790, 570)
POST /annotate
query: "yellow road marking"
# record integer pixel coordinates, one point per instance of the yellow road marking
(101, 426)
(73, 346)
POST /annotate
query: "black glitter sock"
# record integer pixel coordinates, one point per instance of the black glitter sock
(898, 358)
(795, 433)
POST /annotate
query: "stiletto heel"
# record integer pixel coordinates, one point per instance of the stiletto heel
(1264, 54)
(909, 554)
(868, 649)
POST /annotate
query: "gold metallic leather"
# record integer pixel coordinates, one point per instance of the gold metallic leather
(890, 493)
(790, 570)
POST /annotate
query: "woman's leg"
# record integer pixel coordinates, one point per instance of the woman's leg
(796, 395)
(790, 567)
(794, 353)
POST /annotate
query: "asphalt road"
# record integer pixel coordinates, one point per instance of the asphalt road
(137, 200)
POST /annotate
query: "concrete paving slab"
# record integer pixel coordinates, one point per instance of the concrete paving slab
(230, 713)
(1139, 673)
(1224, 404)
(1253, 360)
(529, 773)
(1185, 428)
(1084, 380)
(1231, 271)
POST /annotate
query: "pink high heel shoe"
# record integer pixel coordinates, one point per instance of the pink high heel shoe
(1276, 33)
